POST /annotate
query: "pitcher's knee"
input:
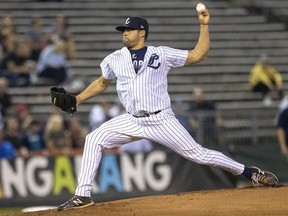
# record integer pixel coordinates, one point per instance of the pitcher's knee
(97, 137)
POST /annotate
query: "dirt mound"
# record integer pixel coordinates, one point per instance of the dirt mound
(246, 201)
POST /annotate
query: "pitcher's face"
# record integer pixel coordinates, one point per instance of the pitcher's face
(133, 39)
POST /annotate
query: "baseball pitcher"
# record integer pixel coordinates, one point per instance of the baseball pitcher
(141, 73)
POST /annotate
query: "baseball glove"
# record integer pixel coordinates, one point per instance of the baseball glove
(65, 101)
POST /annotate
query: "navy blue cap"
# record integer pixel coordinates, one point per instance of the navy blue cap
(136, 23)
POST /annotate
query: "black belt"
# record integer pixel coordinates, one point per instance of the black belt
(147, 114)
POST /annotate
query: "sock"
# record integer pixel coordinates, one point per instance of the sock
(247, 172)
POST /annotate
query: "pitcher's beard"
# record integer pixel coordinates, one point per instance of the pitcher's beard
(127, 44)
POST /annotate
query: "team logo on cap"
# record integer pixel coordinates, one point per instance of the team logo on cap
(127, 21)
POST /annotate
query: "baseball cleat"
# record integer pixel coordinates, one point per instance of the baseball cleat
(76, 202)
(260, 177)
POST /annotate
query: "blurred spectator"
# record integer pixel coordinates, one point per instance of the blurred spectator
(282, 131)
(33, 137)
(7, 149)
(8, 34)
(14, 135)
(18, 66)
(77, 133)
(24, 116)
(60, 30)
(5, 98)
(264, 78)
(35, 37)
(180, 110)
(204, 119)
(137, 146)
(1, 57)
(52, 67)
(76, 86)
(97, 116)
(102, 112)
(1, 122)
(56, 136)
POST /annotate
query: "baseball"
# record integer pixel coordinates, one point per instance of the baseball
(200, 7)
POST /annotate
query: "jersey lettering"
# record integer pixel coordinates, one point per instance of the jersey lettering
(138, 58)
(137, 65)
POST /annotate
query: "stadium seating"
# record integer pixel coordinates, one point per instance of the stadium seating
(238, 37)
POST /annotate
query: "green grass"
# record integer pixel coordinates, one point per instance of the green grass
(7, 211)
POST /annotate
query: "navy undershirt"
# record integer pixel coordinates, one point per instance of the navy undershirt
(138, 58)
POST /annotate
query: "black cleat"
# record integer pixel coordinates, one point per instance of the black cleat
(76, 202)
(260, 177)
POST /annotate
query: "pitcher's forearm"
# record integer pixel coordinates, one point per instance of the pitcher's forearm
(95, 88)
(203, 45)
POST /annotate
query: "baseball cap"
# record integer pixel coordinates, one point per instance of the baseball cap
(136, 23)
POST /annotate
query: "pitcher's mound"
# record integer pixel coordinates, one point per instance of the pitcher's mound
(246, 201)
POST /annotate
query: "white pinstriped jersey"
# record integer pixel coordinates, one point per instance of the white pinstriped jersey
(147, 90)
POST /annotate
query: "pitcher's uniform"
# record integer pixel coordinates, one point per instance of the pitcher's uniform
(145, 97)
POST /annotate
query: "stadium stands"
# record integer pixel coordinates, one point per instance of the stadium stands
(238, 37)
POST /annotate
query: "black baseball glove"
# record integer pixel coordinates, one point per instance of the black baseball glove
(65, 101)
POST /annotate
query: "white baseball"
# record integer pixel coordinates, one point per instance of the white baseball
(200, 7)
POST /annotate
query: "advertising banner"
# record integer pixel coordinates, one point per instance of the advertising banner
(51, 180)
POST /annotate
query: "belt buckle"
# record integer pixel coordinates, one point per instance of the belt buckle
(143, 114)
(146, 115)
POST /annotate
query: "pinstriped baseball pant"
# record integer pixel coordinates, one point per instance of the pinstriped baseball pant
(162, 128)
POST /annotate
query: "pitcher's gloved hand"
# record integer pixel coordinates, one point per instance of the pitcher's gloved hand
(65, 101)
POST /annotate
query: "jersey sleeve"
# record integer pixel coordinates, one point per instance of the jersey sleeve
(175, 57)
(107, 72)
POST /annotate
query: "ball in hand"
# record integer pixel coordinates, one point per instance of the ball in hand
(200, 7)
